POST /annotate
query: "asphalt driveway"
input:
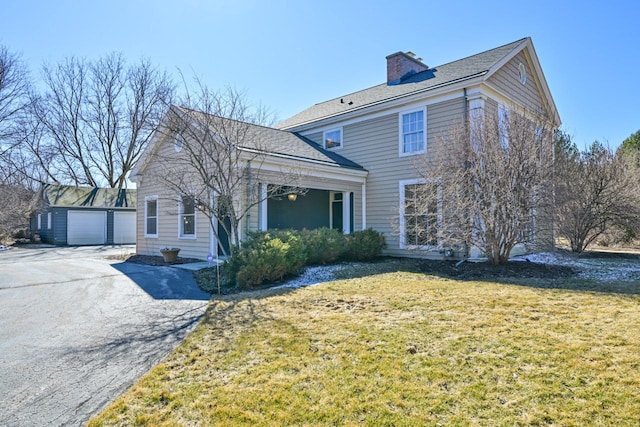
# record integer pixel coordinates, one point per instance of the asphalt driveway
(77, 329)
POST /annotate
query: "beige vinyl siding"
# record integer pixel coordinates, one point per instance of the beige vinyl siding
(507, 81)
(168, 229)
(374, 144)
(317, 138)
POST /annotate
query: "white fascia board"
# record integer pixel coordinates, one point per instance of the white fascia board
(425, 96)
(331, 172)
(507, 58)
(541, 81)
(304, 163)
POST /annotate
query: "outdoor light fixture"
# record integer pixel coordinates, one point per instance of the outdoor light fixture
(292, 196)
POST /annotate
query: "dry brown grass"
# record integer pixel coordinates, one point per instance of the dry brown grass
(400, 348)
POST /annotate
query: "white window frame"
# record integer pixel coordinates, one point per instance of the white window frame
(401, 115)
(39, 221)
(403, 231)
(181, 214)
(48, 220)
(503, 125)
(324, 139)
(147, 199)
(178, 143)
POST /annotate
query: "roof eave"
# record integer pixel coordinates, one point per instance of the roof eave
(391, 102)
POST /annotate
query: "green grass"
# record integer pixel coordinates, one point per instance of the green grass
(400, 348)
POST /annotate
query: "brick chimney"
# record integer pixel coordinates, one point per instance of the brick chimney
(401, 64)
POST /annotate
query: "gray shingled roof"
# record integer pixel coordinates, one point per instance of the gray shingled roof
(433, 77)
(89, 197)
(284, 143)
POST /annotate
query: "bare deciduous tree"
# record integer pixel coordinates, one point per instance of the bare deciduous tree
(492, 183)
(16, 207)
(97, 117)
(596, 190)
(222, 150)
(14, 94)
(15, 191)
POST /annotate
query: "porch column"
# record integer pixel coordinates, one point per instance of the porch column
(262, 213)
(346, 212)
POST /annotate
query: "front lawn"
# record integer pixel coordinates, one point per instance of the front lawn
(402, 348)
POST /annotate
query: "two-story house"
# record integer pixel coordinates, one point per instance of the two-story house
(358, 152)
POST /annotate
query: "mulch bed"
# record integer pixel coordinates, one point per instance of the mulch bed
(486, 271)
(158, 260)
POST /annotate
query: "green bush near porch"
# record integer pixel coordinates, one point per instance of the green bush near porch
(275, 254)
(323, 245)
(365, 245)
(265, 257)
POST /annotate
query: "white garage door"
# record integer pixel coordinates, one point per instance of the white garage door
(86, 228)
(124, 227)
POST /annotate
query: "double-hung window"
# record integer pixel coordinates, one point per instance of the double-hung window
(332, 139)
(187, 217)
(413, 132)
(419, 222)
(151, 216)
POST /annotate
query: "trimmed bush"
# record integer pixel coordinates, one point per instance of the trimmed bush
(265, 257)
(323, 245)
(364, 245)
(272, 255)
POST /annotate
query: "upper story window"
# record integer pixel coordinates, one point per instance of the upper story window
(178, 143)
(413, 132)
(332, 139)
(522, 73)
(187, 217)
(151, 216)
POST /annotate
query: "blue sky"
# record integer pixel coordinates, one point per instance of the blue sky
(289, 55)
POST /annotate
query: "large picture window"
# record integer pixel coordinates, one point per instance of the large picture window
(412, 132)
(187, 217)
(151, 216)
(419, 202)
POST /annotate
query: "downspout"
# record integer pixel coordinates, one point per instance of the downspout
(364, 204)
(465, 101)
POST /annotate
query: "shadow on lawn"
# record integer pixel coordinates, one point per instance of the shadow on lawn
(520, 273)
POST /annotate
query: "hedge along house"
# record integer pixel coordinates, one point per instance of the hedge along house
(281, 179)
(69, 215)
(356, 154)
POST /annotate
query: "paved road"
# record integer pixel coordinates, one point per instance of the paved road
(77, 329)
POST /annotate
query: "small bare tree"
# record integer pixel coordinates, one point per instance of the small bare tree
(96, 118)
(493, 183)
(16, 190)
(15, 210)
(222, 149)
(596, 190)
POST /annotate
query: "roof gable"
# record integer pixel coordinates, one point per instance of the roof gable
(271, 141)
(481, 65)
(88, 197)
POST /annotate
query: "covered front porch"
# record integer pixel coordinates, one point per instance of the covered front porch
(310, 209)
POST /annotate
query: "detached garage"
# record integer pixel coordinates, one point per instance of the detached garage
(85, 216)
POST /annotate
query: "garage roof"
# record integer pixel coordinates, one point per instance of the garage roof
(88, 197)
